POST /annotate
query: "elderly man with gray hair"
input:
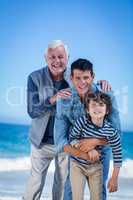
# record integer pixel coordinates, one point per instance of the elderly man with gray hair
(44, 85)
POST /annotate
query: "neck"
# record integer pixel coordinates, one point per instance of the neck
(82, 95)
(97, 121)
(57, 78)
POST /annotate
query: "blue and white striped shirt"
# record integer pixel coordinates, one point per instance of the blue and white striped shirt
(84, 128)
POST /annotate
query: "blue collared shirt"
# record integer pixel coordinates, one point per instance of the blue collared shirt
(69, 110)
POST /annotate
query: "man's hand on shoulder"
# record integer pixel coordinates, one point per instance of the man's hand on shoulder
(65, 93)
(105, 85)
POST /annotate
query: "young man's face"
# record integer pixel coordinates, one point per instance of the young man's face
(97, 110)
(82, 80)
(57, 60)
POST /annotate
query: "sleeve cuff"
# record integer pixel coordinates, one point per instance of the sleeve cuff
(117, 164)
(74, 142)
(60, 148)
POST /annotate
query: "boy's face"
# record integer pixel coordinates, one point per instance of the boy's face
(97, 109)
(82, 80)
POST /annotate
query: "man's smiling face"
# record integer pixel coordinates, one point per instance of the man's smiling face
(82, 80)
(57, 60)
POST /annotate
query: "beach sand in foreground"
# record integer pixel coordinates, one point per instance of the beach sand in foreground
(13, 184)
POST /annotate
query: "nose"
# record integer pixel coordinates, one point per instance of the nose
(57, 59)
(97, 108)
(82, 81)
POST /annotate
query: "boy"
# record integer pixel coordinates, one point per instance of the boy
(94, 125)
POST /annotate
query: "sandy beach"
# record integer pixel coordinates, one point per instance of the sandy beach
(14, 175)
(12, 187)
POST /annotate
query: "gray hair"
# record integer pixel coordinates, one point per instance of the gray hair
(54, 44)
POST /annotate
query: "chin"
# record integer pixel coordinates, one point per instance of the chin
(57, 72)
(83, 91)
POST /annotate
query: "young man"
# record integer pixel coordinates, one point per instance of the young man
(94, 125)
(43, 87)
(68, 110)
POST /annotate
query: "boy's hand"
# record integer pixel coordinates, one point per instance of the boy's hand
(93, 155)
(113, 184)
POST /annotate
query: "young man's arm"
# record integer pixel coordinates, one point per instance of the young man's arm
(114, 117)
(75, 152)
(87, 145)
(93, 155)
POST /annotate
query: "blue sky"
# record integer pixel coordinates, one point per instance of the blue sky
(99, 30)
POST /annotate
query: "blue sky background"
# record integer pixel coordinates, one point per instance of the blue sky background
(99, 30)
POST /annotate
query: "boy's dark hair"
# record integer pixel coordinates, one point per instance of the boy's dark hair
(98, 96)
(82, 64)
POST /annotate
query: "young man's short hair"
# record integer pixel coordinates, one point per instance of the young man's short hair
(83, 65)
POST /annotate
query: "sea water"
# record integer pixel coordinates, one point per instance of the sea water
(15, 161)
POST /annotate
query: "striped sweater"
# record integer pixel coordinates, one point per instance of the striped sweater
(84, 128)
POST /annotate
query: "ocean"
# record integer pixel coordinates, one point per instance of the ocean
(15, 164)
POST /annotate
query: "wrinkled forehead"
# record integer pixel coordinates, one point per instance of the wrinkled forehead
(57, 50)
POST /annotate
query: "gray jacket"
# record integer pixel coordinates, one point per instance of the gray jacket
(39, 89)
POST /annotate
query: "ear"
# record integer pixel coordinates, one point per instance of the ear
(71, 77)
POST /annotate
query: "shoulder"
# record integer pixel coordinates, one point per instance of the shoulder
(37, 73)
(39, 76)
(109, 126)
(96, 87)
(82, 120)
(110, 94)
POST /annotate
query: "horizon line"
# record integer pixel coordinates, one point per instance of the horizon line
(28, 124)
